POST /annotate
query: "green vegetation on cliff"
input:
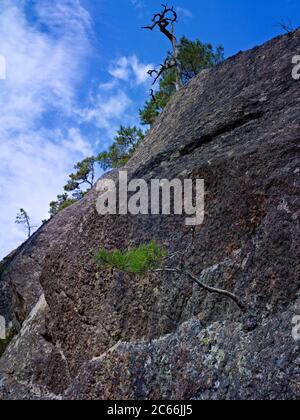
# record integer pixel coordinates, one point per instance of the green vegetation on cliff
(135, 261)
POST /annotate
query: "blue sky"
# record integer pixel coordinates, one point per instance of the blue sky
(77, 69)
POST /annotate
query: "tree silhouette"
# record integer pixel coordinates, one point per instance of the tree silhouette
(123, 147)
(24, 219)
(165, 21)
(193, 56)
(84, 175)
(63, 201)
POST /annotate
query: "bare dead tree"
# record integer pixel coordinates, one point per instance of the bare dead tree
(165, 22)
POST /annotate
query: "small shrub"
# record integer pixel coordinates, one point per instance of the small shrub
(136, 261)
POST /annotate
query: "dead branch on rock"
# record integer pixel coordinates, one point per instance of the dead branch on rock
(163, 67)
(182, 270)
(202, 285)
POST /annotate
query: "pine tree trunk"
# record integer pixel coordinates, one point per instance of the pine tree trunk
(177, 63)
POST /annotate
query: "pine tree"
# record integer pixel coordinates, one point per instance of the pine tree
(24, 219)
(63, 201)
(193, 56)
(84, 176)
(123, 147)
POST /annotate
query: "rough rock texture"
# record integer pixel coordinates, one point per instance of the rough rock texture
(101, 334)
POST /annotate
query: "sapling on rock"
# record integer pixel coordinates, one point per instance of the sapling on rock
(23, 218)
(137, 261)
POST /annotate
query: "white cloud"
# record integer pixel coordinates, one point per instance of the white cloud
(131, 70)
(120, 69)
(41, 120)
(43, 70)
(108, 86)
(34, 169)
(108, 112)
(140, 70)
(111, 106)
(184, 12)
(138, 4)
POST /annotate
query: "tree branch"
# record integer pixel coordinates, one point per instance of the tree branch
(203, 285)
(167, 65)
(165, 22)
(152, 95)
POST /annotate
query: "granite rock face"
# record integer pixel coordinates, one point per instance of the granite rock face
(90, 334)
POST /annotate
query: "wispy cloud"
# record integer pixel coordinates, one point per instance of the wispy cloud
(108, 86)
(130, 69)
(186, 13)
(42, 120)
(138, 4)
(111, 105)
(108, 111)
(43, 70)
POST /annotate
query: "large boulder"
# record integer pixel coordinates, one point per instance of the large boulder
(93, 334)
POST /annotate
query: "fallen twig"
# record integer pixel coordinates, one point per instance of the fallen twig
(204, 286)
